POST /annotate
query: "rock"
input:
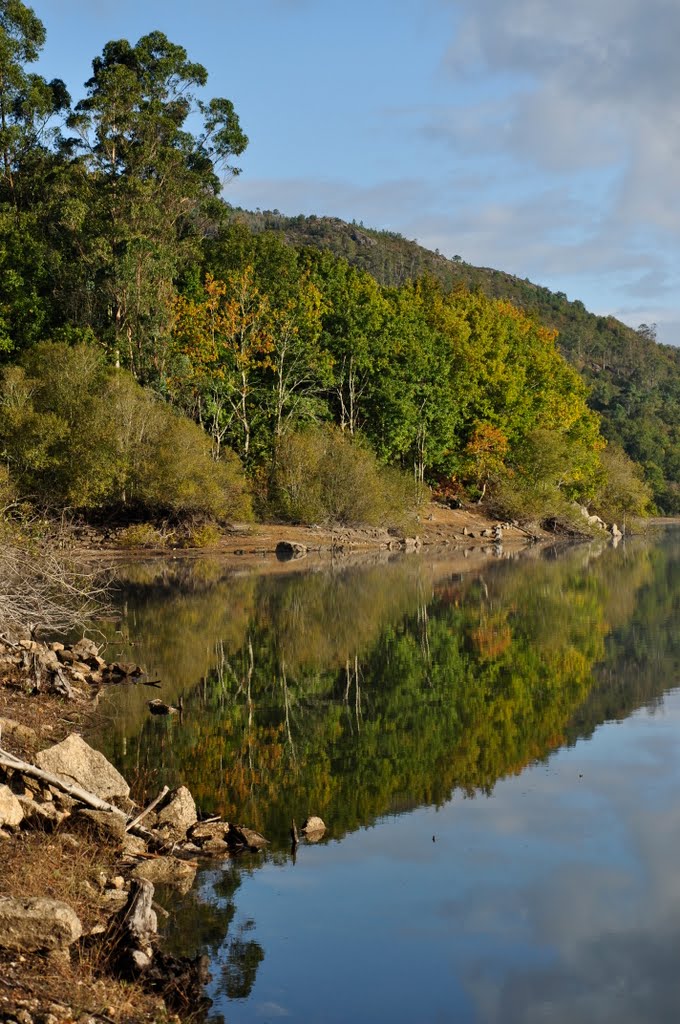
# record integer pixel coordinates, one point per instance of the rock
(615, 532)
(412, 543)
(179, 813)
(65, 656)
(75, 761)
(11, 813)
(132, 845)
(20, 734)
(103, 824)
(286, 550)
(85, 649)
(28, 925)
(209, 830)
(240, 836)
(216, 847)
(313, 829)
(113, 900)
(44, 816)
(180, 874)
(141, 961)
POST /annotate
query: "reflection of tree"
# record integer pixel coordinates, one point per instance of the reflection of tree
(201, 922)
(356, 694)
(244, 956)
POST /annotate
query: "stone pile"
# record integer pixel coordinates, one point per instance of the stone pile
(161, 845)
(72, 671)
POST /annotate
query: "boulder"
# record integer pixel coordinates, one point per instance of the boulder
(44, 816)
(75, 761)
(286, 550)
(239, 837)
(11, 813)
(180, 874)
(85, 650)
(105, 825)
(313, 829)
(28, 925)
(179, 813)
(203, 831)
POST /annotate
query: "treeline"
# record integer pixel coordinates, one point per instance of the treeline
(132, 304)
(633, 382)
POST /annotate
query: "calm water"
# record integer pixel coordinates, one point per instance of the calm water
(496, 755)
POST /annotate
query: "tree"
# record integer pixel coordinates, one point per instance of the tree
(27, 101)
(152, 183)
(224, 337)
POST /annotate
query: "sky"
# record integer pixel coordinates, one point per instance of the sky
(539, 137)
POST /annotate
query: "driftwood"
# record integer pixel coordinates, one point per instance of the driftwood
(165, 790)
(83, 796)
(8, 760)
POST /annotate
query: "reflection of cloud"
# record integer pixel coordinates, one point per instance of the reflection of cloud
(271, 1010)
(595, 926)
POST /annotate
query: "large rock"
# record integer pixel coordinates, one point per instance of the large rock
(27, 925)
(11, 813)
(75, 761)
(287, 550)
(179, 813)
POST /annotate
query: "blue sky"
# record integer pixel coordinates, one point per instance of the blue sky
(534, 136)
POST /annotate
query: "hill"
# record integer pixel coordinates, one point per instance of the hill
(634, 382)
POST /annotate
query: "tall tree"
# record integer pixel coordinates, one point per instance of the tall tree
(152, 185)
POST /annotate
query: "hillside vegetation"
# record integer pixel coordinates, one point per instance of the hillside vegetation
(161, 356)
(633, 382)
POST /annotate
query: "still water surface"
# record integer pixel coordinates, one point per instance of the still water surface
(496, 754)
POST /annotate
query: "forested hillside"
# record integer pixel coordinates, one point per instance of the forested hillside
(634, 383)
(162, 358)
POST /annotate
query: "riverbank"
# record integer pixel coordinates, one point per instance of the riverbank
(78, 910)
(263, 545)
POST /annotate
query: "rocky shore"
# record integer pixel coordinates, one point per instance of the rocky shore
(78, 914)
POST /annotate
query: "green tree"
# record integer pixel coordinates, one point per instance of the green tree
(152, 184)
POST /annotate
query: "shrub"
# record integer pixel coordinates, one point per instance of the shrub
(324, 476)
(141, 535)
(621, 489)
(78, 433)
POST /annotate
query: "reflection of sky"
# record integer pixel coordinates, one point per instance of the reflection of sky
(555, 900)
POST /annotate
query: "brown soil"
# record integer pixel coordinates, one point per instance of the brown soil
(253, 545)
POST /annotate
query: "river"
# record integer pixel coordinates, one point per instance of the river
(495, 752)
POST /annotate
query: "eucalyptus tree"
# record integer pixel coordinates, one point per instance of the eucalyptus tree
(152, 185)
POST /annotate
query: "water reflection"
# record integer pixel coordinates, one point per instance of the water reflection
(355, 694)
(358, 695)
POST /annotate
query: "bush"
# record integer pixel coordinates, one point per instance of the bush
(78, 433)
(141, 535)
(324, 476)
(621, 489)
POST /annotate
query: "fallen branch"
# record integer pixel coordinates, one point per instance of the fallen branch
(8, 760)
(154, 803)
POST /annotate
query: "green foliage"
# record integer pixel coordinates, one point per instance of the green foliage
(76, 432)
(631, 381)
(324, 476)
(115, 242)
(622, 490)
(141, 535)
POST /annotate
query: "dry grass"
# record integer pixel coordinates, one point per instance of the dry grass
(72, 868)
